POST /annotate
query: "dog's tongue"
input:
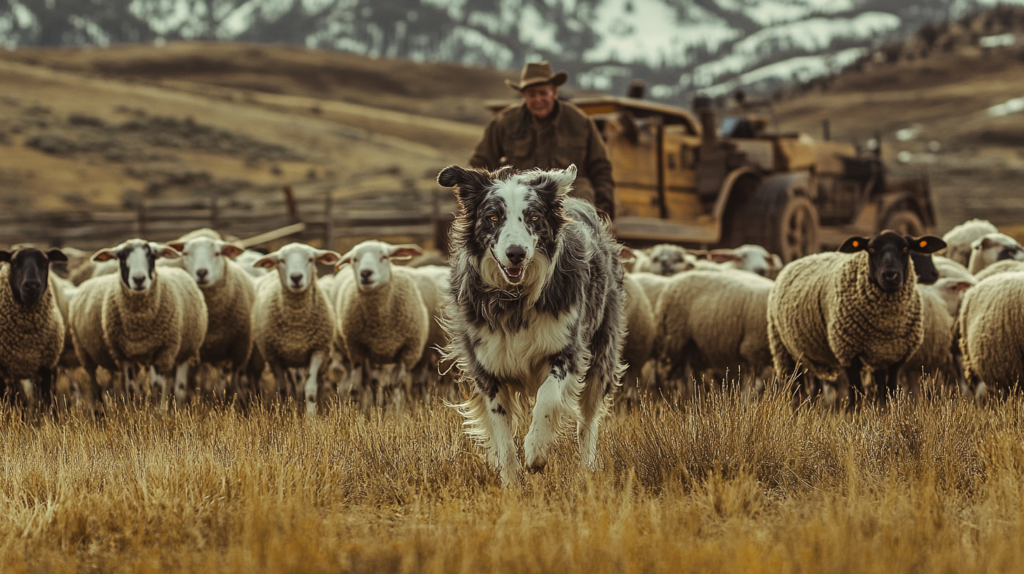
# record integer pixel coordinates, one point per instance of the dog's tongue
(515, 272)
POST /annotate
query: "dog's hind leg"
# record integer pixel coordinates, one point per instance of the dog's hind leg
(601, 379)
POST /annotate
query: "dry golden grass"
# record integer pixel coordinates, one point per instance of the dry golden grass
(718, 485)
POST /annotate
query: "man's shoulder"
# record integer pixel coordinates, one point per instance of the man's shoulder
(572, 113)
(510, 114)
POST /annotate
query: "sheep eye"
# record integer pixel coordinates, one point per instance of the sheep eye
(905, 249)
(871, 249)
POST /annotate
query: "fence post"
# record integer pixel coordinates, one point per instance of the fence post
(140, 220)
(329, 219)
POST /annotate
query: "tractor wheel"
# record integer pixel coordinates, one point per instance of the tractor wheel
(904, 222)
(796, 229)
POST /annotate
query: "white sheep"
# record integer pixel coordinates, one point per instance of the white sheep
(433, 282)
(714, 320)
(991, 322)
(150, 318)
(959, 239)
(640, 332)
(32, 327)
(992, 248)
(247, 261)
(668, 259)
(857, 310)
(651, 284)
(951, 269)
(752, 258)
(382, 319)
(229, 294)
(940, 303)
(293, 323)
(1004, 266)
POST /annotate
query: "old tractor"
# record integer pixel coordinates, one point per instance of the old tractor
(683, 178)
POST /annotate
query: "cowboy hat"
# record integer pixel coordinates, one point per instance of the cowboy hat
(538, 73)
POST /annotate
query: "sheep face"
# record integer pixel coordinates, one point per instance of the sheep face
(889, 256)
(513, 216)
(296, 264)
(753, 258)
(137, 260)
(30, 272)
(667, 259)
(205, 259)
(925, 268)
(371, 262)
(997, 247)
(951, 291)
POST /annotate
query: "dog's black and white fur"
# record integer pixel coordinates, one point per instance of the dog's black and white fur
(536, 310)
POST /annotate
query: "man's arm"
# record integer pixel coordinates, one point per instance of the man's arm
(488, 152)
(599, 168)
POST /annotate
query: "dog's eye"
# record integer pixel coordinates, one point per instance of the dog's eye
(905, 249)
(871, 249)
(534, 218)
(494, 218)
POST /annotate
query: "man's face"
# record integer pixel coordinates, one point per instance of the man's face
(541, 99)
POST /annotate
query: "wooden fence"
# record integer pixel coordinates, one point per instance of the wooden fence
(379, 213)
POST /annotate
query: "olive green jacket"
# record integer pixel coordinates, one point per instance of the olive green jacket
(515, 138)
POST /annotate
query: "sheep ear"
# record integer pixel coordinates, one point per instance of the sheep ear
(327, 256)
(406, 251)
(346, 258)
(626, 254)
(853, 245)
(164, 250)
(231, 251)
(104, 255)
(5, 256)
(925, 244)
(776, 262)
(56, 256)
(722, 255)
(177, 245)
(268, 262)
(961, 286)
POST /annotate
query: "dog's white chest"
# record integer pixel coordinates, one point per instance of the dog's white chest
(517, 353)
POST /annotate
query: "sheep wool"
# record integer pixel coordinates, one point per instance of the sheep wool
(31, 337)
(715, 320)
(289, 328)
(229, 303)
(1004, 266)
(825, 312)
(640, 332)
(991, 321)
(958, 240)
(935, 353)
(163, 327)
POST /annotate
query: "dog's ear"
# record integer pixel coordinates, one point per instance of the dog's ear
(554, 185)
(469, 184)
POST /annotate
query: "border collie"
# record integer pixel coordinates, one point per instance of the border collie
(536, 310)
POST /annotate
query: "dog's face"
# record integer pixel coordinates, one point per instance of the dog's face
(510, 217)
(137, 259)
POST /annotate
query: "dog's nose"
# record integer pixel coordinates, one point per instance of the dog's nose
(201, 273)
(515, 254)
(365, 274)
(139, 280)
(296, 279)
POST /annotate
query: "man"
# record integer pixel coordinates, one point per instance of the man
(550, 134)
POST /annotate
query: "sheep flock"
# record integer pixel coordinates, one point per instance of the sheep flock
(157, 322)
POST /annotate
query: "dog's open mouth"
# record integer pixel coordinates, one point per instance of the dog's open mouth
(513, 274)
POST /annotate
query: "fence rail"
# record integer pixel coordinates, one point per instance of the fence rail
(327, 218)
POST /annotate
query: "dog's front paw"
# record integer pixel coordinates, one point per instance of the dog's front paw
(536, 452)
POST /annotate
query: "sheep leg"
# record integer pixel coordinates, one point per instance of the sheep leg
(886, 382)
(181, 384)
(280, 382)
(311, 383)
(854, 374)
(131, 384)
(165, 389)
(47, 380)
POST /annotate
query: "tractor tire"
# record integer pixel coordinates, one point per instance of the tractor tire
(782, 222)
(904, 222)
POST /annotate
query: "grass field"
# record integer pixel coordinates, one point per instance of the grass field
(718, 485)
